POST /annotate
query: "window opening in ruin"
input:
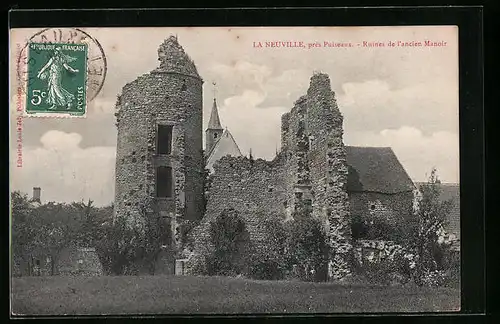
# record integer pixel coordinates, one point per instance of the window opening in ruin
(372, 206)
(215, 135)
(37, 262)
(164, 139)
(164, 182)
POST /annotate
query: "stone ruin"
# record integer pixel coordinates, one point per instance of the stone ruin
(160, 165)
(159, 157)
(311, 169)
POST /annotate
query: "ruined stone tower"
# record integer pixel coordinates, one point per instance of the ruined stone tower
(312, 141)
(159, 158)
(329, 171)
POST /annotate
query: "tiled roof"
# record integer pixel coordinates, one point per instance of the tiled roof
(376, 169)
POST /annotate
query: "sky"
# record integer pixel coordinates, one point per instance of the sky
(402, 97)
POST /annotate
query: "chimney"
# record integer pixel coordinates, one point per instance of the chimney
(36, 194)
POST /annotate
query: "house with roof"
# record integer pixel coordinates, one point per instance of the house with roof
(378, 186)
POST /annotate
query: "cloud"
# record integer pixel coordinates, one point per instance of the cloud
(59, 140)
(102, 105)
(417, 152)
(248, 72)
(65, 171)
(375, 105)
(286, 88)
(253, 128)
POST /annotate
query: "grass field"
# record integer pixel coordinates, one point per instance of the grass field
(204, 295)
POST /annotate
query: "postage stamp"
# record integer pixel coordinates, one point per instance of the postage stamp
(57, 76)
(59, 71)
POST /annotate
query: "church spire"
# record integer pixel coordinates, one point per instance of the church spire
(214, 130)
(214, 122)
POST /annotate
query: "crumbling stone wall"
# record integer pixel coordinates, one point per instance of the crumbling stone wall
(376, 250)
(311, 168)
(372, 206)
(314, 130)
(172, 95)
(253, 188)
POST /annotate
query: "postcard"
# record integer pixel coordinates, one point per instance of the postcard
(234, 170)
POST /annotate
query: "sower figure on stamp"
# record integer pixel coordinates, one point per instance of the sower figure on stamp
(57, 96)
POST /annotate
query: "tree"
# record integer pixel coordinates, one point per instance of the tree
(306, 247)
(58, 226)
(127, 248)
(115, 246)
(431, 219)
(22, 229)
(45, 229)
(227, 233)
(267, 259)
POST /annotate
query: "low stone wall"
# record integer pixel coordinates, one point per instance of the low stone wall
(373, 250)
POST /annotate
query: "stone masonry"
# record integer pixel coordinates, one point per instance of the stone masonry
(311, 168)
(169, 95)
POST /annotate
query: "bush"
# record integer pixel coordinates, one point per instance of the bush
(263, 264)
(228, 236)
(378, 229)
(451, 268)
(197, 264)
(267, 261)
(307, 250)
(435, 278)
(398, 270)
(187, 227)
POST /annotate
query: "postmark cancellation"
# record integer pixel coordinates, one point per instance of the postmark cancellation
(59, 71)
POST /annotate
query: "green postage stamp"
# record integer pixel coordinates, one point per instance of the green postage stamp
(57, 75)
